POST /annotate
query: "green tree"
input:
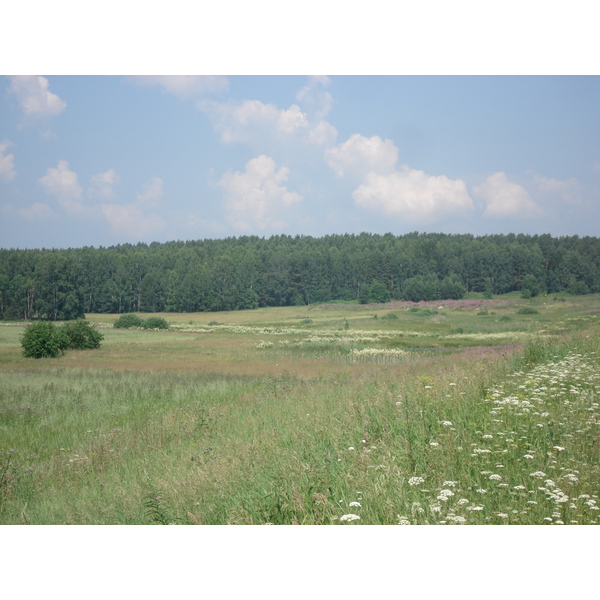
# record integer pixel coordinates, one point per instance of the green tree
(378, 292)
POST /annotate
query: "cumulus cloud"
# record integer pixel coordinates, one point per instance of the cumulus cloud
(152, 192)
(103, 184)
(133, 219)
(413, 195)
(316, 101)
(185, 86)
(64, 185)
(7, 167)
(323, 134)
(569, 190)
(35, 99)
(360, 155)
(503, 198)
(256, 198)
(252, 119)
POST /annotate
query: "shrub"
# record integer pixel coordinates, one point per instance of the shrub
(155, 323)
(527, 310)
(43, 340)
(390, 317)
(80, 335)
(127, 321)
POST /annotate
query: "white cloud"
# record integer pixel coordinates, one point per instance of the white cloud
(152, 192)
(7, 167)
(323, 134)
(314, 99)
(102, 187)
(64, 185)
(360, 155)
(34, 97)
(413, 195)
(37, 211)
(256, 198)
(252, 119)
(569, 190)
(130, 220)
(503, 198)
(185, 86)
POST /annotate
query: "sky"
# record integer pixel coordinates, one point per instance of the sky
(102, 160)
(94, 156)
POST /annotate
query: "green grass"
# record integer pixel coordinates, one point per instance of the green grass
(201, 425)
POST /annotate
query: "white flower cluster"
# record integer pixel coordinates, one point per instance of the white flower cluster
(349, 518)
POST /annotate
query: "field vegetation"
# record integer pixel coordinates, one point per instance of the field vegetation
(469, 411)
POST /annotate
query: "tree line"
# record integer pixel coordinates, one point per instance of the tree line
(249, 271)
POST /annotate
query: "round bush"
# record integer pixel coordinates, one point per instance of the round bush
(80, 335)
(155, 323)
(127, 321)
(43, 340)
(527, 310)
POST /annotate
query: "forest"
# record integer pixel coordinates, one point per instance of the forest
(249, 272)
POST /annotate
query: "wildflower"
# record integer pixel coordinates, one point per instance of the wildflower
(495, 477)
(349, 518)
(481, 491)
(457, 519)
(354, 504)
(537, 474)
(503, 515)
(416, 481)
(449, 484)
(445, 495)
(462, 501)
(487, 436)
(403, 520)
(447, 423)
(433, 444)
(474, 507)
(559, 448)
(351, 448)
(527, 456)
(519, 487)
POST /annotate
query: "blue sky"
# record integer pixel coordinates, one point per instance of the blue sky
(100, 160)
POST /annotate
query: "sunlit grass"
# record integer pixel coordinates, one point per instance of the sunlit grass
(305, 423)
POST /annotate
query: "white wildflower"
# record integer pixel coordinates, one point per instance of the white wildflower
(354, 504)
(349, 518)
(416, 481)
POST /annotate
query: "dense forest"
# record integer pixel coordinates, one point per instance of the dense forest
(248, 272)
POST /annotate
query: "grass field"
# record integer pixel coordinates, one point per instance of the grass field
(464, 412)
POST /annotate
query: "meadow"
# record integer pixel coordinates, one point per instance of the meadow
(453, 412)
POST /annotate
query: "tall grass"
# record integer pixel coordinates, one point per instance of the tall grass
(507, 438)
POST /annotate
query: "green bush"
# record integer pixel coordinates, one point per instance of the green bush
(127, 321)
(527, 310)
(155, 323)
(43, 340)
(390, 317)
(80, 335)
